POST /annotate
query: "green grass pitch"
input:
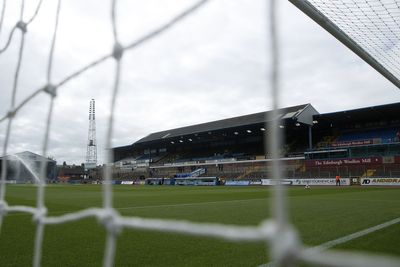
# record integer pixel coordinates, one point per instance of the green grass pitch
(319, 214)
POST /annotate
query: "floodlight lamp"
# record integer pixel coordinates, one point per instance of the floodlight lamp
(262, 129)
(297, 124)
(281, 126)
(249, 131)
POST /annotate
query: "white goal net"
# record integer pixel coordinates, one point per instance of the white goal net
(286, 249)
(369, 28)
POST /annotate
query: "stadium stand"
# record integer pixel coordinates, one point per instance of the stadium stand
(353, 143)
(24, 167)
(382, 135)
(71, 174)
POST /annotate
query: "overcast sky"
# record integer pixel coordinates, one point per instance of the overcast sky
(210, 67)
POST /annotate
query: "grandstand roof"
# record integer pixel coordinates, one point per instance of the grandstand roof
(302, 113)
(374, 113)
(28, 156)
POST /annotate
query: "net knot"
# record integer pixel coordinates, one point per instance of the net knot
(108, 218)
(51, 90)
(3, 208)
(22, 26)
(285, 246)
(118, 51)
(11, 113)
(39, 215)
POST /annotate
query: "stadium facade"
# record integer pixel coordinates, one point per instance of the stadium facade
(25, 167)
(352, 143)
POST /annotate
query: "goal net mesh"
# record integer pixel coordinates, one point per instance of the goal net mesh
(370, 28)
(373, 24)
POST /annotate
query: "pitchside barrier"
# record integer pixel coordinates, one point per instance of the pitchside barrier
(380, 181)
(303, 182)
(290, 181)
(213, 181)
(284, 243)
(319, 181)
(240, 183)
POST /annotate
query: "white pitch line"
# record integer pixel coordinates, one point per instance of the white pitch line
(352, 236)
(344, 239)
(190, 204)
(359, 199)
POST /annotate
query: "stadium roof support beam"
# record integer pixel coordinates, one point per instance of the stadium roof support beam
(329, 26)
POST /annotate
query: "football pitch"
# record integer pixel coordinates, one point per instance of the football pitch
(319, 214)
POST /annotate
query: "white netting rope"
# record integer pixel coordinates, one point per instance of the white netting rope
(374, 25)
(277, 233)
(20, 24)
(3, 10)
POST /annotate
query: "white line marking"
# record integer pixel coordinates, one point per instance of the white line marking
(355, 235)
(190, 204)
(359, 199)
(344, 239)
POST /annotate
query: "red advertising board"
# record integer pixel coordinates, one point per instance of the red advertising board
(397, 159)
(344, 162)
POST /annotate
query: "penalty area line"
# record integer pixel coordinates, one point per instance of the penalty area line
(352, 236)
(344, 239)
(191, 204)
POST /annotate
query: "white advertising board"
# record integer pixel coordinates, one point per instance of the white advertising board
(275, 182)
(320, 181)
(380, 181)
(126, 182)
(242, 183)
(311, 181)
